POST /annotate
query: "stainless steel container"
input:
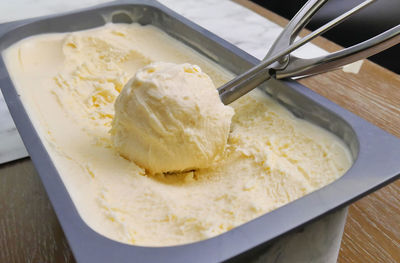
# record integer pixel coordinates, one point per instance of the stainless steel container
(306, 230)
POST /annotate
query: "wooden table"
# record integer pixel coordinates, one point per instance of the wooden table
(30, 232)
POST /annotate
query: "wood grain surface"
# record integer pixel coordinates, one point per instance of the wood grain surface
(30, 232)
(29, 229)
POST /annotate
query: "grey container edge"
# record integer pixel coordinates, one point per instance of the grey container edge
(376, 152)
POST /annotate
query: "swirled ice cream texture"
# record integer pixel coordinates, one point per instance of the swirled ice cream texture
(69, 82)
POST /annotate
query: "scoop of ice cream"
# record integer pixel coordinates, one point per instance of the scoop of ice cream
(169, 118)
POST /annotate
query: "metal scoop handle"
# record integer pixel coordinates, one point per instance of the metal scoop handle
(281, 64)
(295, 25)
(299, 67)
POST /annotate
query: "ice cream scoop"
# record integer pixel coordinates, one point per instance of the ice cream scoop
(169, 118)
(280, 63)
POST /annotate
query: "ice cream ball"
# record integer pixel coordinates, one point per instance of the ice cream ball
(169, 118)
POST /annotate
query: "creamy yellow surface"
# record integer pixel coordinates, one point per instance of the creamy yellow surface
(69, 82)
(169, 118)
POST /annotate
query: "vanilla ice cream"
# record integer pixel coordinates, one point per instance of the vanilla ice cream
(169, 118)
(68, 83)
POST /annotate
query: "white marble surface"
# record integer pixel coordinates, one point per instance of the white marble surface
(238, 25)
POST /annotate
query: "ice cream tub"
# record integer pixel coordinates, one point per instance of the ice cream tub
(308, 229)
